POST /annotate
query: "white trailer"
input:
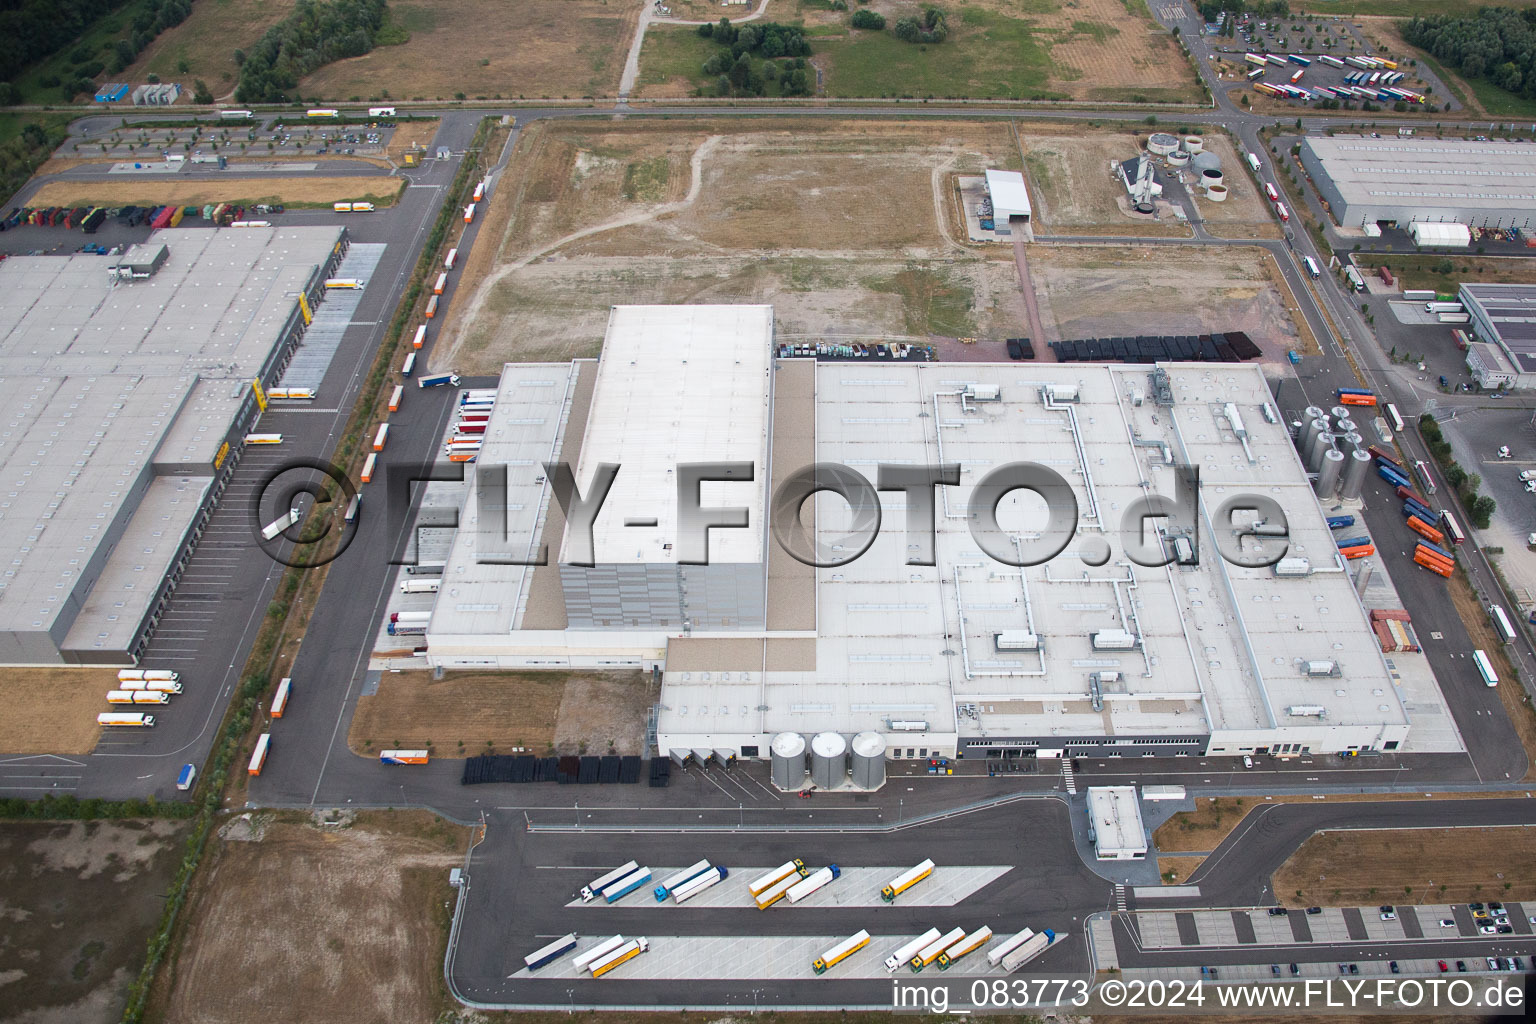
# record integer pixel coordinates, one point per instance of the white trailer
(691, 888)
(278, 525)
(1028, 950)
(929, 953)
(778, 874)
(996, 953)
(803, 888)
(129, 718)
(595, 889)
(420, 586)
(664, 890)
(907, 950)
(598, 951)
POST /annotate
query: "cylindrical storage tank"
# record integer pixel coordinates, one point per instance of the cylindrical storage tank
(1329, 472)
(1216, 193)
(787, 752)
(1309, 434)
(1203, 162)
(1313, 412)
(1320, 444)
(829, 759)
(868, 760)
(1363, 578)
(1193, 143)
(1339, 412)
(1355, 472)
(1161, 143)
(1178, 158)
(1354, 439)
(1210, 177)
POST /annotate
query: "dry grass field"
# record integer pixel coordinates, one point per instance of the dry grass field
(1073, 185)
(290, 920)
(66, 699)
(1110, 50)
(1352, 868)
(79, 901)
(188, 192)
(1088, 292)
(467, 713)
(535, 49)
(844, 226)
(1246, 212)
(207, 42)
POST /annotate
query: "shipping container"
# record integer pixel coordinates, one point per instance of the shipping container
(432, 307)
(395, 398)
(380, 437)
(450, 259)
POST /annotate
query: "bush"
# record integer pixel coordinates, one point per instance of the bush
(868, 19)
(931, 28)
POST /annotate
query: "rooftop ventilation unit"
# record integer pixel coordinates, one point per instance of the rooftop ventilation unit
(1114, 640)
(1016, 640)
(983, 393)
(1320, 668)
(1307, 711)
(1293, 567)
(909, 726)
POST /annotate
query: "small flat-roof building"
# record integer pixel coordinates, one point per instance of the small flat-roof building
(1010, 202)
(1406, 180)
(1115, 814)
(1504, 321)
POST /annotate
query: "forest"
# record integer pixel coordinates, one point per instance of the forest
(315, 34)
(1497, 43)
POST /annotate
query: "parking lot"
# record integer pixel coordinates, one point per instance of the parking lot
(1329, 925)
(232, 141)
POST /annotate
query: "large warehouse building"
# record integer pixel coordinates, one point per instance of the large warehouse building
(1504, 324)
(1080, 654)
(1420, 180)
(129, 386)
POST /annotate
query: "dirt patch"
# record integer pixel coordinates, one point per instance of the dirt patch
(1112, 50)
(206, 42)
(467, 713)
(1214, 818)
(550, 49)
(605, 714)
(291, 191)
(1086, 292)
(53, 710)
(78, 902)
(410, 135)
(1246, 211)
(1175, 870)
(1072, 179)
(370, 899)
(1351, 868)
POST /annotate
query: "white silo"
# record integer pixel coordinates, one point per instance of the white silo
(787, 752)
(868, 760)
(829, 760)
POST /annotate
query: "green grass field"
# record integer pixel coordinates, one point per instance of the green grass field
(987, 56)
(671, 52)
(1499, 103)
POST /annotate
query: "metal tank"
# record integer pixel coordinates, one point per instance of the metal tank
(1194, 143)
(829, 760)
(1328, 473)
(1356, 469)
(1313, 412)
(1354, 439)
(1363, 576)
(1309, 431)
(1339, 412)
(1178, 158)
(1161, 143)
(787, 752)
(1322, 443)
(868, 760)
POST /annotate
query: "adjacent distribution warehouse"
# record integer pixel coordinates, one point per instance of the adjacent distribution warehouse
(129, 392)
(1403, 181)
(1504, 326)
(1088, 652)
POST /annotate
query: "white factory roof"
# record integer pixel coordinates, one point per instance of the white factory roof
(678, 384)
(104, 378)
(1010, 196)
(1220, 646)
(1116, 818)
(1429, 172)
(481, 593)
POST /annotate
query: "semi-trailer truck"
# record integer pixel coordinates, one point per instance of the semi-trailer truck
(161, 685)
(280, 698)
(777, 891)
(595, 889)
(906, 880)
(278, 525)
(840, 952)
(907, 950)
(691, 888)
(1027, 950)
(137, 697)
(803, 888)
(625, 953)
(438, 380)
(929, 953)
(626, 885)
(129, 718)
(996, 953)
(778, 874)
(972, 942)
(662, 891)
(131, 674)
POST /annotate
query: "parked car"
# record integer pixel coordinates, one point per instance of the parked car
(1247, 761)
(1395, 969)
(1314, 910)
(1274, 969)
(1489, 929)
(1388, 914)
(1443, 965)
(1277, 911)
(1495, 906)
(1493, 963)
(1447, 922)
(1295, 969)
(1461, 965)
(1474, 906)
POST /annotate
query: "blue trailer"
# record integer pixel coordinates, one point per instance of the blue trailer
(1339, 522)
(624, 886)
(1392, 476)
(1354, 542)
(1437, 549)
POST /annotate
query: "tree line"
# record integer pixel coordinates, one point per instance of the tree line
(33, 30)
(1210, 10)
(737, 73)
(315, 34)
(1496, 43)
